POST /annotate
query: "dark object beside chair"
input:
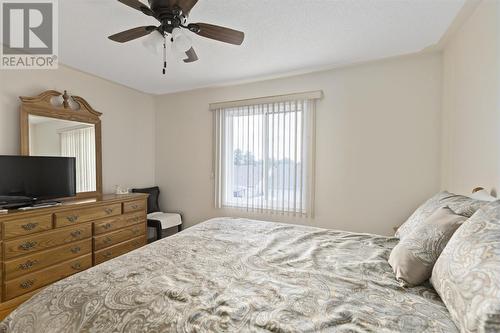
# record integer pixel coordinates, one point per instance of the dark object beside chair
(154, 209)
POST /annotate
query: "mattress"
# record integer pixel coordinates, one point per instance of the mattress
(240, 275)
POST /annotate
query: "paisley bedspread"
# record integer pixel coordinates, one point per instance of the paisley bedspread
(239, 275)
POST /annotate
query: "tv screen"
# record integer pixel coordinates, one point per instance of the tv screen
(38, 178)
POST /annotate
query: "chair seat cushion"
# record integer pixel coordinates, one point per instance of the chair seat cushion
(167, 220)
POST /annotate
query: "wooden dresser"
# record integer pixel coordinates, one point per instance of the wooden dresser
(41, 246)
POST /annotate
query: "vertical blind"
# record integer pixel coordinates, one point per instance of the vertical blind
(80, 143)
(264, 155)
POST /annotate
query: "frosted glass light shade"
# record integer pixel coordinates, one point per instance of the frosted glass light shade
(181, 42)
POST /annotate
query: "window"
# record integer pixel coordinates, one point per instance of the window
(79, 143)
(264, 154)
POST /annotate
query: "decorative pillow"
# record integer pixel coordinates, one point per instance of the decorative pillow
(154, 193)
(422, 212)
(460, 204)
(463, 205)
(467, 274)
(413, 258)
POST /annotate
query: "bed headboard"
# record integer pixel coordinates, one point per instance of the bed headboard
(492, 193)
(477, 189)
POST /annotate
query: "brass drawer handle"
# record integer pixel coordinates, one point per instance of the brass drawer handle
(135, 219)
(108, 210)
(72, 218)
(28, 264)
(76, 265)
(76, 233)
(136, 243)
(28, 245)
(107, 240)
(29, 226)
(76, 249)
(27, 284)
(107, 254)
(136, 231)
(107, 226)
(135, 206)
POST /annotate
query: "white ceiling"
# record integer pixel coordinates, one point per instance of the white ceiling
(282, 36)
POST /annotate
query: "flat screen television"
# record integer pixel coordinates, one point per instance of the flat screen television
(31, 179)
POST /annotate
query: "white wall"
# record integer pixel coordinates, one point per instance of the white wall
(378, 143)
(471, 102)
(44, 139)
(127, 120)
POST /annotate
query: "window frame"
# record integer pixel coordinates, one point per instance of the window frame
(307, 162)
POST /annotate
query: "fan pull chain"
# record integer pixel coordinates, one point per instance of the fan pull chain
(165, 56)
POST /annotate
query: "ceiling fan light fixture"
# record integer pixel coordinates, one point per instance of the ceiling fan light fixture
(154, 42)
(181, 42)
(172, 15)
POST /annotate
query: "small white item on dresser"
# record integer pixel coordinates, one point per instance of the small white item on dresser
(4, 211)
(121, 190)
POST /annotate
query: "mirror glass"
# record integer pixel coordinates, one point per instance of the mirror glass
(58, 137)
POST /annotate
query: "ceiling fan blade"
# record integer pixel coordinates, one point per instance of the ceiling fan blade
(136, 4)
(218, 33)
(131, 34)
(185, 5)
(191, 56)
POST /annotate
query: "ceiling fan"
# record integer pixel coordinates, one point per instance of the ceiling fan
(172, 15)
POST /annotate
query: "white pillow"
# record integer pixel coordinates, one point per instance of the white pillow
(483, 195)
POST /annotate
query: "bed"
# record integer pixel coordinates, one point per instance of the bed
(240, 275)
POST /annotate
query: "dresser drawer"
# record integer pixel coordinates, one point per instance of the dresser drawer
(133, 206)
(108, 225)
(30, 263)
(133, 218)
(115, 237)
(26, 226)
(48, 239)
(30, 282)
(118, 249)
(88, 214)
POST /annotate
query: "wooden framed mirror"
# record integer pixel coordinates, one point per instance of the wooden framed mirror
(55, 124)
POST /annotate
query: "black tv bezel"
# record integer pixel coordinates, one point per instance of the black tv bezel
(18, 201)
